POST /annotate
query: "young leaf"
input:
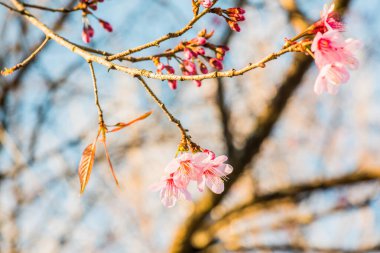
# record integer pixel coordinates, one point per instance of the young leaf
(85, 165)
(121, 125)
(110, 163)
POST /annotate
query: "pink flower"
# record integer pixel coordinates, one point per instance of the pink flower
(169, 192)
(329, 20)
(206, 3)
(214, 172)
(330, 77)
(186, 167)
(203, 168)
(331, 47)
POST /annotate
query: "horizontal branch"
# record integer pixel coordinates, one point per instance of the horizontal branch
(142, 72)
(362, 175)
(299, 248)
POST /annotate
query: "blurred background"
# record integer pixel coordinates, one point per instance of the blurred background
(307, 167)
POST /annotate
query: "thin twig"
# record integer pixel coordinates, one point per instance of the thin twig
(100, 112)
(63, 10)
(27, 60)
(11, 8)
(163, 107)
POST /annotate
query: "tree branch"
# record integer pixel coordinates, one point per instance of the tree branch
(27, 60)
(142, 72)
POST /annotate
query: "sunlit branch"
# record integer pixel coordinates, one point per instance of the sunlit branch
(95, 86)
(142, 72)
(163, 108)
(282, 195)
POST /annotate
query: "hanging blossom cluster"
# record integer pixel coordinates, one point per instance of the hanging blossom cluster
(333, 54)
(193, 57)
(197, 165)
(87, 7)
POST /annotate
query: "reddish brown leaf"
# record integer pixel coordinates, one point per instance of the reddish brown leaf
(85, 165)
(121, 125)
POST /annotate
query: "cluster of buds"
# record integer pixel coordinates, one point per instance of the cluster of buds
(194, 57)
(333, 54)
(231, 15)
(199, 166)
(87, 7)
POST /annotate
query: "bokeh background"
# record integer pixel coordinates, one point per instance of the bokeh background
(307, 167)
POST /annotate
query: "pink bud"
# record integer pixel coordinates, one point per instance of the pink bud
(190, 67)
(199, 50)
(234, 26)
(200, 41)
(203, 68)
(215, 63)
(93, 6)
(107, 26)
(189, 54)
(160, 67)
(172, 84)
(85, 37)
(198, 83)
(170, 69)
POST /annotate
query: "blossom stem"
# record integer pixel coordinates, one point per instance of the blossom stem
(164, 109)
(96, 96)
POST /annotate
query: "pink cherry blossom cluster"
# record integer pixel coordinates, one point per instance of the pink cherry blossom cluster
(194, 57)
(333, 54)
(231, 15)
(88, 31)
(204, 168)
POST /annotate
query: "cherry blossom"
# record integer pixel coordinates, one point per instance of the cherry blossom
(331, 47)
(330, 77)
(214, 173)
(330, 20)
(203, 168)
(169, 192)
(186, 167)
